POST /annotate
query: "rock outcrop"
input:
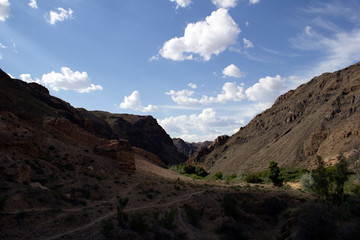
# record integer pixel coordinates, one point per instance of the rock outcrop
(143, 132)
(320, 117)
(189, 149)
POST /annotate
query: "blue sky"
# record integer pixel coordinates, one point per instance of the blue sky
(202, 68)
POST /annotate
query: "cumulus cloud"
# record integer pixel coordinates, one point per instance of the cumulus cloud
(69, 80)
(254, 1)
(33, 4)
(2, 45)
(232, 71)
(266, 90)
(205, 38)
(225, 3)
(248, 43)
(182, 3)
(27, 78)
(133, 102)
(192, 85)
(4, 10)
(230, 92)
(206, 125)
(59, 15)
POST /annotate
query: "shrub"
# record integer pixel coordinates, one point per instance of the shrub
(192, 215)
(253, 178)
(306, 181)
(230, 206)
(316, 221)
(218, 176)
(275, 174)
(339, 176)
(231, 231)
(107, 228)
(321, 181)
(122, 217)
(168, 220)
(138, 223)
(274, 206)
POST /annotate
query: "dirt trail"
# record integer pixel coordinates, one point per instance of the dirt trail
(181, 198)
(112, 200)
(143, 166)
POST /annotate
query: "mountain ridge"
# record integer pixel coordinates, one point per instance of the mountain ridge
(317, 118)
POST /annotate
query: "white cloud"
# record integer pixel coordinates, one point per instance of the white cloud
(59, 15)
(248, 43)
(266, 90)
(254, 1)
(205, 38)
(192, 85)
(232, 71)
(133, 102)
(4, 10)
(154, 58)
(182, 3)
(27, 78)
(230, 92)
(338, 50)
(69, 80)
(2, 45)
(206, 125)
(33, 4)
(225, 3)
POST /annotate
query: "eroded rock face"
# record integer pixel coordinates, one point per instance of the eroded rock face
(143, 132)
(320, 117)
(119, 150)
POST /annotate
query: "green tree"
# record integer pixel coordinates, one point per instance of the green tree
(321, 181)
(275, 174)
(339, 176)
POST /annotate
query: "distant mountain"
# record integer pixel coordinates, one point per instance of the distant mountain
(321, 117)
(187, 148)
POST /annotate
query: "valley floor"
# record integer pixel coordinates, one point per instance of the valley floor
(162, 204)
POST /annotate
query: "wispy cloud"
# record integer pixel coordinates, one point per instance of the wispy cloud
(4, 10)
(59, 15)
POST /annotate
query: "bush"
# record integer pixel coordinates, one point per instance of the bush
(275, 174)
(218, 176)
(329, 183)
(122, 217)
(168, 220)
(192, 215)
(230, 206)
(107, 228)
(253, 178)
(321, 181)
(306, 181)
(316, 221)
(138, 223)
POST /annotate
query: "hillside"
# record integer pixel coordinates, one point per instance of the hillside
(187, 148)
(143, 132)
(320, 117)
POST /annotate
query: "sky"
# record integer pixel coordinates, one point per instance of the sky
(202, 68)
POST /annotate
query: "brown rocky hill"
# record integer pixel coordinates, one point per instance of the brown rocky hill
(187, 148)
(31, 103)
(143, 132)
(319, 118)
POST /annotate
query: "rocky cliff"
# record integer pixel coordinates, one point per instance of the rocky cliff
(320, 117)
(189, 149)
(143, 132)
